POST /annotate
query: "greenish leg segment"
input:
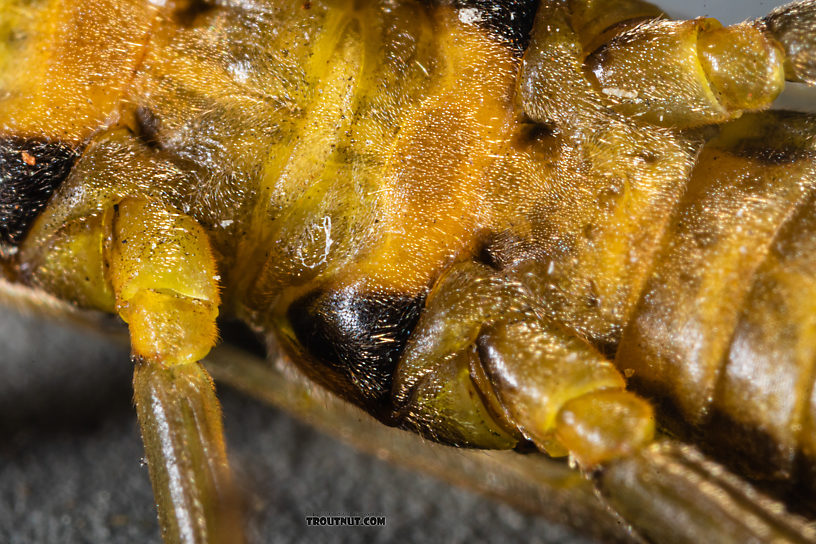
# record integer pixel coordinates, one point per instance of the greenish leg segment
(154, 267)
(168, 294)
(180, 418)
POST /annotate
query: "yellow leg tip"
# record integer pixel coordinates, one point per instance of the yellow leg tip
(604, 425)
(170, 329)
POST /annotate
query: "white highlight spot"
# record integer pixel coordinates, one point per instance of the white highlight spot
(620, 93)
(469, 16)
(311, 259)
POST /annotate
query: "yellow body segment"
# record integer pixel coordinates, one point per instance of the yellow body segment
(435, 173)
(772, 356)
(721, 232)
(65, 78)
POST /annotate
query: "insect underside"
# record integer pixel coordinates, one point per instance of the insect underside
(563, 226)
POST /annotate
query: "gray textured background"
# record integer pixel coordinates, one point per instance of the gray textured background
(727, 11)
(70, 466)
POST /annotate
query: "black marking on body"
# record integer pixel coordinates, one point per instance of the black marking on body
(778, 138)
(358, 337)
(531, 134)
(186, 13)
(148, 127)
(506, 250)
(30, 171)
(750, 450)
(509, 20)
(764, 152)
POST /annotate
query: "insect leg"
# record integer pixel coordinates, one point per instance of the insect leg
(561, 392)
(794, 26)
(670, 73)
(669, 481)
(435, 384)
(133, 255)
(540, 381)
(180, 419)
(163, 275)
(608, 431)
(481, 338)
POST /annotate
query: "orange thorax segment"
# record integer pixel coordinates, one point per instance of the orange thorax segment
(65, 65)
(435, 185)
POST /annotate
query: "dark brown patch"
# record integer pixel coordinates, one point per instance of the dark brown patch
(188, 11)
(358, 338)
(764, 152)
(506, 250)
(510, 21)
(149, 127)
(30, 171)
(748, 449)
(531, 133)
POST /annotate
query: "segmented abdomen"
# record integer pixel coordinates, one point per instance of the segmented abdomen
(724, 333)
